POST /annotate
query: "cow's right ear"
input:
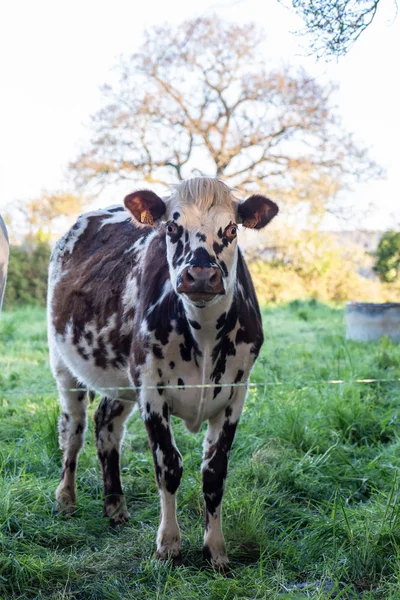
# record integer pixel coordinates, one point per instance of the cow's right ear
(146, 206)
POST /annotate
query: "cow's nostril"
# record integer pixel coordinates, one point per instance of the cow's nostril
(214, 278)
(189, 277)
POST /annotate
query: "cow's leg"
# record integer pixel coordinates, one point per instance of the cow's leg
(217, 445)
(109, 420)
(168, 471)
(72, 425)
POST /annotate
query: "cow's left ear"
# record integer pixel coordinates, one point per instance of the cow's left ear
(257, 211)
(146, 206)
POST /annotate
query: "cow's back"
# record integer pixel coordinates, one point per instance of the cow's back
(93, 291)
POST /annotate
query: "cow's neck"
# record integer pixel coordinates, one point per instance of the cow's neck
(203, 321)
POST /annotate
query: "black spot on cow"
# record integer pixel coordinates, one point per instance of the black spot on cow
(172, 364)
(160, 386)
(189, 348)
(72, 466)
(195, 324)
(178, 253)
(223, 268)
(100, 354)
(82, 352)
(239, 376)
(217, 390)
(181, 383)
(157, 351)
(160, 439)
(176, 216)
(110, 427)
(214, 473)
(116, 209)
(224, 347)
(221, 320)
(165, 411)
(228, 411)
(159, 372)
(79, 429)
(201, 236)
(201, 258)
(88, 335)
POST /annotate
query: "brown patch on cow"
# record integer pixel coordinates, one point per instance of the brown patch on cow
(92, 285)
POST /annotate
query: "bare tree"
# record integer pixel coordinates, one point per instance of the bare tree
(198, 99)
(334, 25)
(43, 218)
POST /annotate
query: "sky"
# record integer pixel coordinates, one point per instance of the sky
(54, 56)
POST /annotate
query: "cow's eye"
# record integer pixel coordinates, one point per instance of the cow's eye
(172, 228)
(231, 231)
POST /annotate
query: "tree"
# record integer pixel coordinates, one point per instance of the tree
(43, 219)
(388, 256)
(198, 99)
(334, 25)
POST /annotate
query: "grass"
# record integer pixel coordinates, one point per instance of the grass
(311, 507)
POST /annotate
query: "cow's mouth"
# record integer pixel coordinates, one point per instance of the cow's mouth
(200, 296)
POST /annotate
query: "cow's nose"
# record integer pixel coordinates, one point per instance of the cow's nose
(203, 280)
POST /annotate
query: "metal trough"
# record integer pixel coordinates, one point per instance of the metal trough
(367, 321)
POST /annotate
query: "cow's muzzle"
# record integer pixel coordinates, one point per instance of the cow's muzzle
(201, 283)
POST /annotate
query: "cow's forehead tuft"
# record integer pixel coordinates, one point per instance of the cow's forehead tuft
(204, 192)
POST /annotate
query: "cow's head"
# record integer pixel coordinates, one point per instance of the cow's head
(201, 219)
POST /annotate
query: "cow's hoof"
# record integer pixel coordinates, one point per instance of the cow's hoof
(115, 509)
(65, 501)
(219, 561)
(119, 517)
(175, 559)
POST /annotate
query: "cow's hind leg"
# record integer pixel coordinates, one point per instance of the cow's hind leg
(109, 419)
(72, 425)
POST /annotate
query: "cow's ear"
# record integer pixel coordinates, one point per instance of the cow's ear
(146, 206)
(257, 211)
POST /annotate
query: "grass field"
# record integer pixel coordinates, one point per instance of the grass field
(311, 508)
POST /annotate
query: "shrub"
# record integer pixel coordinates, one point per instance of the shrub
(27, 274)
(388, 256)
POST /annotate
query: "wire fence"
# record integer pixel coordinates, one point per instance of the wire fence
(183, 387)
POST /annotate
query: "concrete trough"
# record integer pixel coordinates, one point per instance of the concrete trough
(367, 321)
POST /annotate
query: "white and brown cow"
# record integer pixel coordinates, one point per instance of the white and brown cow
(161, 299)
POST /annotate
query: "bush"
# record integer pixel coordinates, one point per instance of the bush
(27, 274)
(312, 265)
(388, 256)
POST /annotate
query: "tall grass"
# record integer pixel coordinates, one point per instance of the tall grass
(311, 508)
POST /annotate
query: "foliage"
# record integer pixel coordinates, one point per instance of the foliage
(27, 274)
(334, 25)
(42, 219)
(388, 256)
(311, 507)
(197, 98)
(311, 264)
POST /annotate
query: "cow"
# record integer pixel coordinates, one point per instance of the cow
(153, 304)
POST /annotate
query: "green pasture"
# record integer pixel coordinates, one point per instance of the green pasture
(311, 508)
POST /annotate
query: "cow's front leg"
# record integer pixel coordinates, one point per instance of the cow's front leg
(110, 419)
(217, 445)
(168, 471)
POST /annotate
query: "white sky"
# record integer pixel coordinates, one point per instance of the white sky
(54, 56)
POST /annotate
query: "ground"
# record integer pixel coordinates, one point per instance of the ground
(310, 509)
